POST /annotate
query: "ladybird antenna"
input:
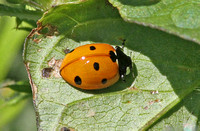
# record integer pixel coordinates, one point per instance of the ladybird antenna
(123, 43)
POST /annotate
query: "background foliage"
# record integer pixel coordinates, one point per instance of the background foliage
(162, 38)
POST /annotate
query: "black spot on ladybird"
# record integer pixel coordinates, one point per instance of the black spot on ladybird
(96, 66)
(77, 80)
(92, 48)
(113, 57)
(103, 81)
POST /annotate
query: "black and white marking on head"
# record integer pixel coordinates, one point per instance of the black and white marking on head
(96, 66)
(124, 62)
(103, 81)
(77, 80)
(66, 51)
(113, 57)
(92, 47)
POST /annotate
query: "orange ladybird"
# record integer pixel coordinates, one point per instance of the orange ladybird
(94, 66)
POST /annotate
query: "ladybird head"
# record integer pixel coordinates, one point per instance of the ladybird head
(124, 61)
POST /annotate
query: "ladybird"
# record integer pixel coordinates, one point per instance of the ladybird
(94, 66)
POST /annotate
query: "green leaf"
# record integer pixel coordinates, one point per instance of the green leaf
(44, 4)
(10, 42)
(25, 120)
(20, 13)
(187, 113)
(20, 86)
(38, 4)
(167, 71)
(11, 103)
(179, 17)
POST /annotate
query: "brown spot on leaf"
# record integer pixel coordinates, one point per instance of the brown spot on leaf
(154, 101)
(151, 103)
(157, 100)
(46, 72)
(146, 107)
(154, 92)
(133, 88)
(90, 113)
(34, 90)
(66, 129)
(42, 31)
(52, 62)
(36, 40)
(55, 65)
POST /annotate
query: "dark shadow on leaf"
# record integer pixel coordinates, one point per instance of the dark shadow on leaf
(139, 2)
(175, 58)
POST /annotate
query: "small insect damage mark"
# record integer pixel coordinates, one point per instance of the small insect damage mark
(154, 92)
(125, 101)
(154, 101)
(151, 103)
(146, 107)
(53, 69)
(46, 72)
(42, 31)
(90, 113)
(66, 129)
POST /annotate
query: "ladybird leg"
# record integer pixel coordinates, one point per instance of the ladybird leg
(133, 84)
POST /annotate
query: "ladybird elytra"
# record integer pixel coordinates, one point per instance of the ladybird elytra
(91, 66)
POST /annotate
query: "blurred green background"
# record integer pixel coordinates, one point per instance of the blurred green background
(16, 108)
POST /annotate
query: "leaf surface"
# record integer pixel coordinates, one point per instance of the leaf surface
(11, 103)
(179, 17)
(43, 4)
(166, 71)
